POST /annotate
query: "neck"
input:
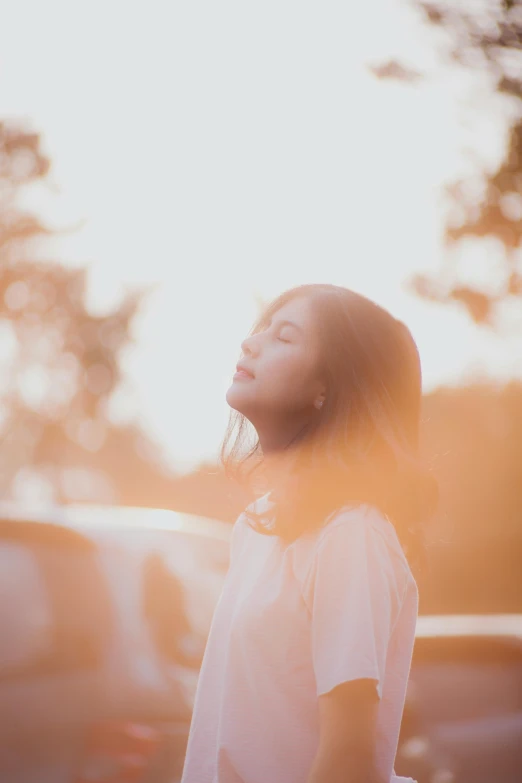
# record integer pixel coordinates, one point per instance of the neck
(277, 442)
(277, 438)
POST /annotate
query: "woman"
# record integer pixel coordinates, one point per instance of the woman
(306, 667)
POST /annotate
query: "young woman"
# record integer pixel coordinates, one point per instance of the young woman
(306, 666)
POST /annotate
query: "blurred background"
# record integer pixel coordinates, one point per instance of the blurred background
(166, 168)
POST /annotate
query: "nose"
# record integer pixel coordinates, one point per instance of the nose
(250, 345)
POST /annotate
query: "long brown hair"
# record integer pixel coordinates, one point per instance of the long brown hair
(363, 447)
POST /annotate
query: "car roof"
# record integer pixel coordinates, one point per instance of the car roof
(94, 519)
(472, 625)
(117, 517)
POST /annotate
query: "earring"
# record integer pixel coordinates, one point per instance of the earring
(319, 404)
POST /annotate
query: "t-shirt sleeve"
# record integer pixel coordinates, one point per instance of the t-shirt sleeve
(354, 594)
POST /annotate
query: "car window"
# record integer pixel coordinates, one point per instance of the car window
(201, 563)
(54, 609)
(180, 590)
(210, 554)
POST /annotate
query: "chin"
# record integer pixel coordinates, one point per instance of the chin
(238, 398)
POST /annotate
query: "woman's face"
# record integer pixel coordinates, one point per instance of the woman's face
(277, 374)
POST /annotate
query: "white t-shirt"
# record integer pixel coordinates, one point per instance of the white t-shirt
(293, 621)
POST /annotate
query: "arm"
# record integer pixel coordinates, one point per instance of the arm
(354, 593)
(347, 735)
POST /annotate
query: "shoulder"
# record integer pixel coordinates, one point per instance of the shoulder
(361, 544)
(361, 525)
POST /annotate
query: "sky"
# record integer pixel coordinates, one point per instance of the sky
(219, 153)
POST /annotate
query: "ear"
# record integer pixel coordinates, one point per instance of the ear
(319, 400)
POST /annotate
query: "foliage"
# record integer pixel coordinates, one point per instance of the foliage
(60, 363)
(484, 36)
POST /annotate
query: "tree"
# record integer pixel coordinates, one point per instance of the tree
(60, 363)
(485, 36)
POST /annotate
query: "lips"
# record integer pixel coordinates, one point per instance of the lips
(243, 371)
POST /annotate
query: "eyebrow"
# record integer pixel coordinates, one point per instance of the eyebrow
(280, 324)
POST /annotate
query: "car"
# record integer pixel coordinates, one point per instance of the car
(104, 614)
(463, 717)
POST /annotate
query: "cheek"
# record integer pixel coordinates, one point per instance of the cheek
(286, 380)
